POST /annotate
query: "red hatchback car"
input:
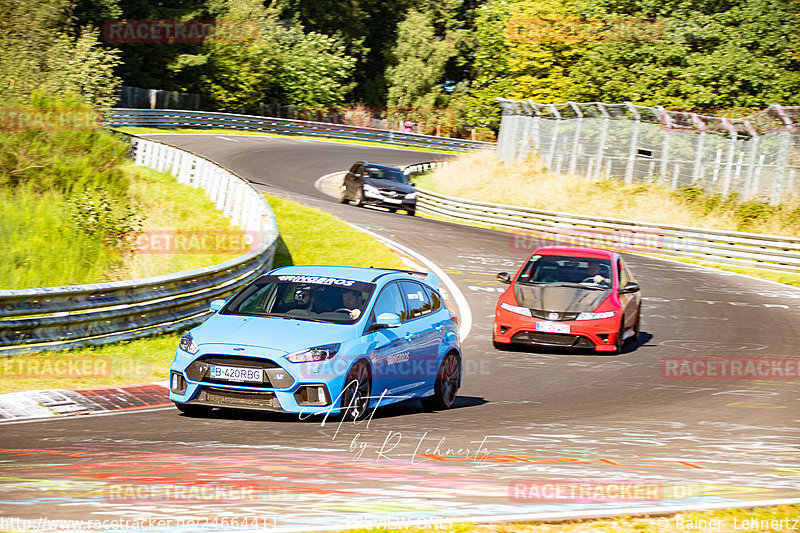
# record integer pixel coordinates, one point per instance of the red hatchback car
(569, 298)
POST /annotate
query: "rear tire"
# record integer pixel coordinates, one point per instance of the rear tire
(392, 209)
(343, 195)
(448, 380)
(197, 411)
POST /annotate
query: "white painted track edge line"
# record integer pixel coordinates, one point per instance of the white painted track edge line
(465, 313)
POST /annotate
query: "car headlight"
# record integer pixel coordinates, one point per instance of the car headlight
(595, 316)
(411, 196)
(371, 191)
(516, 309)
(188, 345)
(319, 353)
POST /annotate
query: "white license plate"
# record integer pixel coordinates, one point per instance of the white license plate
(392, 201)
(236, 373)
(552, 327)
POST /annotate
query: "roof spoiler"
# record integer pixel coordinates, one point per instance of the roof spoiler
(432, 280)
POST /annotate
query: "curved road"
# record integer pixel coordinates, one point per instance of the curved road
(534, 433)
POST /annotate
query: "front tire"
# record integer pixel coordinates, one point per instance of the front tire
(411, 212)
(620, 344)
(355, 397)
(448, 380)
(195, 411)
(359, 201)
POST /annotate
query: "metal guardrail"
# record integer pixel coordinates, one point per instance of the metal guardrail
(770, 252)
(169, 118)
(54, 318)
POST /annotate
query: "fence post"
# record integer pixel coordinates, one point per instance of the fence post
(554, 137)
(525, 139)
(507, 134)
(697, 170)
(665, 119)
(576, 139)
(601, 147)
(783, 153)
(634, 142)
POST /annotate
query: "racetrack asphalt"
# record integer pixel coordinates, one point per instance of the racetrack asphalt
(534, 434)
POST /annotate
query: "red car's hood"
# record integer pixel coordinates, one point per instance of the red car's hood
(559, 299)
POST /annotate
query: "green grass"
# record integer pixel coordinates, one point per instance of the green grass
(308, 236)
(39, 248)
(123, 363)
(136, 130)
(169, 207)
(311, 236)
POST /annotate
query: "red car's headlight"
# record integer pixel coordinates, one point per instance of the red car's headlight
(516, 309)
(595, 316)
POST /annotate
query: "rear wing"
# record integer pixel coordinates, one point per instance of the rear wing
(432, 280)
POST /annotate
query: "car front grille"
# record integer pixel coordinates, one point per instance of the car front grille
(559, 340)
(545, 315)
(274, 375)
(234, 398)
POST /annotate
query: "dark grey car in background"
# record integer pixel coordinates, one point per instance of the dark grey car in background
(380, 185)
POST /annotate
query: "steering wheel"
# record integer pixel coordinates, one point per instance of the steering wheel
(342, 310)
(592, 280)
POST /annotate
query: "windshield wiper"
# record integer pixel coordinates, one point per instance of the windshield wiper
(578, 286)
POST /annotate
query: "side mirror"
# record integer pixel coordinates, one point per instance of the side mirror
(504, 277)
(387, 320)
(217, 304)
(413, 184)
(630, 288)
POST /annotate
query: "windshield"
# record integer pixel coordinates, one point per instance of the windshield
(587, 272)
(387, 173)
(315, 298)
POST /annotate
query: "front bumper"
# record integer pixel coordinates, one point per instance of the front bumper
(601, 335)
(406, 205)
(306, 388)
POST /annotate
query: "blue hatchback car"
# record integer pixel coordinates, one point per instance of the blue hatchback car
(324, 340)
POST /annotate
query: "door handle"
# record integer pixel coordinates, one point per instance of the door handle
(409, 336)
(439, 328)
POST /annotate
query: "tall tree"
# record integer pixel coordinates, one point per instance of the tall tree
(40, 52)
(707, 55)
(281, 64)
(415, 76)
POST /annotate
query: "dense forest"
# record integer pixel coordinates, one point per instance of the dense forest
(710, 56)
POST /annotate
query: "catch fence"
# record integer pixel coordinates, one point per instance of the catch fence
(755, 157)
